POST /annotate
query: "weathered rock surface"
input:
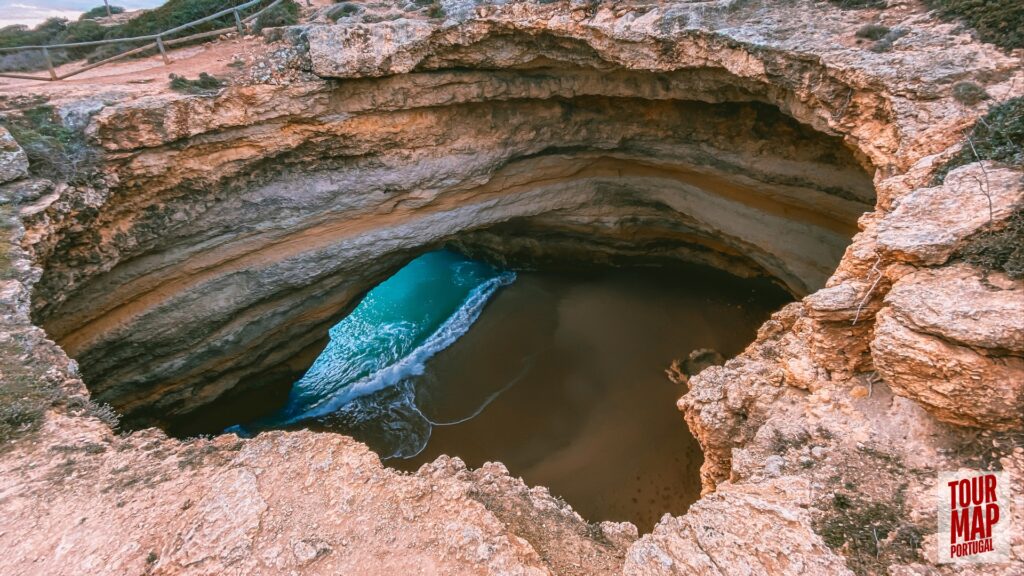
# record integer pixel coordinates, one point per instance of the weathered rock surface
(231, 230)
(963, 305)
(927, 225)
(13, 161)
(307, 223)
(774, 538)
(315, 503)
(952, 339)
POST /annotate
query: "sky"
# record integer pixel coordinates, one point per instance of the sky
(32, 12)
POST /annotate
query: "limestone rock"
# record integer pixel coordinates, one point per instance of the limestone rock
(229, 231)
(724, 408)
(963, 305)
(359, 50)
(750, 529)
(953, 382)
(927, 225)
(953, 340)
(13, 161)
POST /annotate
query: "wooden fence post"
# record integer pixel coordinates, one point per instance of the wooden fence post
(238, 24)
(49, 64)
(163, 51)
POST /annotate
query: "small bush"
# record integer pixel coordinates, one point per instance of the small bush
(860, 530)
(1000, 22)
(969, 93)
(884, 36)
(175, 13)
(205, 84)
(1000, 249)
(100, 12)
(105, 413)
(284, 14)
(84, 31)
(25, 394)
(51, 31)
(872, 31)
(997, 136)
(25, 61)
(435, 10)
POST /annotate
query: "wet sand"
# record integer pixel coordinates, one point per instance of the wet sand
(572, 365)
(562, 380)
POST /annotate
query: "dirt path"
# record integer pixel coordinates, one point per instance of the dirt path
(137, 77)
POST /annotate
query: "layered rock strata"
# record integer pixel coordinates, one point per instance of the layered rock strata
(223, 255)
(229, 230)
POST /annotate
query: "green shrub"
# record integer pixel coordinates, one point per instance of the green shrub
(29, 60)
(51, 27)
(284, 14)
(997, 136)
(969, 93)
(999, 249)
(872, 31)
(100, 12)
(205, 84)
(47, 32)
(25, 394)
(174, 13)
(54, 151)
(1000, 22)
(84, 31)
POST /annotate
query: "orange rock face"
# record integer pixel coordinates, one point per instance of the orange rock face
(223, 233)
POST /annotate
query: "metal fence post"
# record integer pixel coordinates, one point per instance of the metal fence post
(49, 64)
(163, 51)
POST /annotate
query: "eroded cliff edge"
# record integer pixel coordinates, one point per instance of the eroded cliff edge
(731, 135)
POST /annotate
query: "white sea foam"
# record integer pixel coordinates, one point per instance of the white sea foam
(414, 363)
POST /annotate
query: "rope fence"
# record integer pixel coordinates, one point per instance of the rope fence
(157, 41)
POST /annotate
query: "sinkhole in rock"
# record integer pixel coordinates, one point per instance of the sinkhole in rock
(201, 304)
(558, 373)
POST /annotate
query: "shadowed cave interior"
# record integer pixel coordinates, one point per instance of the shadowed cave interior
(672, 226)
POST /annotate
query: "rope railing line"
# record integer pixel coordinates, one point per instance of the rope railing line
(150, 37)
(157, 41)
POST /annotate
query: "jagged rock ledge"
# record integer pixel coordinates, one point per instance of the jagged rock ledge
(230, 230)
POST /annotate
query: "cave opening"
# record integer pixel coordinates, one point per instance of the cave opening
(557, 370)
(680, 224)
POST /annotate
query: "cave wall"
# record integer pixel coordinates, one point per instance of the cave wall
(234, 230)
(825, 395)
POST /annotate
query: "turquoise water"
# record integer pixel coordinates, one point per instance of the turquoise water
(558, 374)
(384, 343)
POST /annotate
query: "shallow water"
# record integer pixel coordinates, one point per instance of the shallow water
(388, 337)
(559, 375)
(585, 407)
